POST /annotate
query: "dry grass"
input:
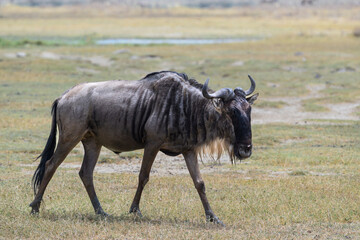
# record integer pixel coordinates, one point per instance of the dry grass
(302, 181)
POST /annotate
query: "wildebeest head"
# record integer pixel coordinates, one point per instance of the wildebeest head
(236, 105)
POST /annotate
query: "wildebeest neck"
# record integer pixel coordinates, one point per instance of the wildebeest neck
(182, 115)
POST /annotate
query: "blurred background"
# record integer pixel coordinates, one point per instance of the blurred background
(302, 181)
(187, 3)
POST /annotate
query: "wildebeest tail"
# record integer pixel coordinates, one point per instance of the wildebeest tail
(48, 151)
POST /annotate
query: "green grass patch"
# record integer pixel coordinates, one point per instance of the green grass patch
(268, 104)
(298, 173)
(17, 43)
(24, 42)
(310, 106)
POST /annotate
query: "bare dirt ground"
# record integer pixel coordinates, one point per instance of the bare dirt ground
(163, 165)
(96, 60)
(169, 166)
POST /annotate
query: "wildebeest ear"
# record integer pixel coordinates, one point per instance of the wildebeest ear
(218, 103)
(252, 99)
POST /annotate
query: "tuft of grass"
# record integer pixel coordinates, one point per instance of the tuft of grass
(357, 110)
(310, 106)
(298, 173)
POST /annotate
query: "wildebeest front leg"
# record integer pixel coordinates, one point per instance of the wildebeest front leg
(148, 159)
(92, 151)
(193, 167)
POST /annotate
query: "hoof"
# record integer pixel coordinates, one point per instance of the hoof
(214, 219)
(35, 205)
(34, 212)
(136, 211)
(101, 213)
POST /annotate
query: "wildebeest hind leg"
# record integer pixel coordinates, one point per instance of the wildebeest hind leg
(92, 151)
(193, 167)
(148, 159)
(62, 150)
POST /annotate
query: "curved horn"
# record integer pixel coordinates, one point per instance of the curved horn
(252, 87)
(224, 93)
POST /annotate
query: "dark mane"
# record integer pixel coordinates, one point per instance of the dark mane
(191, 81)
(195, 84)
(153, 74)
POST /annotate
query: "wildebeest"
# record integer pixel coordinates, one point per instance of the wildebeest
(165, 111)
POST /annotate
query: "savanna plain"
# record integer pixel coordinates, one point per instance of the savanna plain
(302, 181)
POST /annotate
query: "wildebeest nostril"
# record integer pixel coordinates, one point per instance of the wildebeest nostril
(248, 148)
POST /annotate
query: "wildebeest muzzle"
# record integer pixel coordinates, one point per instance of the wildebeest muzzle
(243, 151)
